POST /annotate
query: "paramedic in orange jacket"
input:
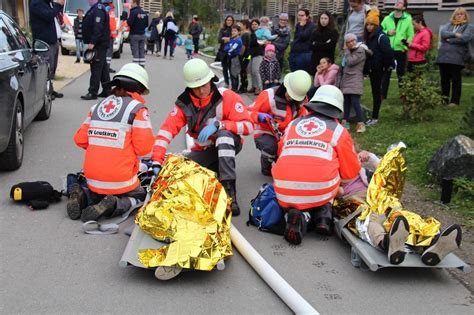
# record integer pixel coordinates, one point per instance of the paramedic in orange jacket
(282, 104)
(216, 120)
(315, 154)
(115, 133)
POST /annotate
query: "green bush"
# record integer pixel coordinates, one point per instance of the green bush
(419, 94)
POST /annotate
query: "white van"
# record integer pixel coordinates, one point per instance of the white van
(68, 42)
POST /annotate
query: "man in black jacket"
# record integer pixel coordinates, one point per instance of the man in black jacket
(138, 23)
(195, 29)
(96, 32)
(43, 21)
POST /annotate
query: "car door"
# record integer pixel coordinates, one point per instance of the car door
(9, 85)
(26, 70)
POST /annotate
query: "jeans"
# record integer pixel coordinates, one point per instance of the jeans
(79, 48)
(300, 61)
(255, 70)
(352, 101)
(375, 83)
(196, 44)
(451, 74)
(401, 58)
(170, 42)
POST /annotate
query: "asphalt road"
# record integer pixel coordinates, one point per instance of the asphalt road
(47, 265)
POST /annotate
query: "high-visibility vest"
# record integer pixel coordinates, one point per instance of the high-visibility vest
(114, 134)
(222, 105)
(316, 153)
(282, 112)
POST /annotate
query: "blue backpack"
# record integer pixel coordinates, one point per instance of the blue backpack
(265, 212)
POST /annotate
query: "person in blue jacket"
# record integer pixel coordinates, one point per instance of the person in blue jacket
(138, 23)
(43, 22)
(232, 50)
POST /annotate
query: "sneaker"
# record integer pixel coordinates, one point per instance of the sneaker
(371, 122)
(78, 61)
(105, 206)
(360, 127)
(447, 242)
(295, 226)
(167, 273)
(76, 202)
(164, 56)
(112, 70)
(453, 105)
(397, 237)
(158, 54)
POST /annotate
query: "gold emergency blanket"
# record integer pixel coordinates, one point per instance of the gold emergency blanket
(190, 209)
(383, 197)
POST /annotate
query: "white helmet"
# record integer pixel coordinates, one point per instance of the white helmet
(328, 100)
(297, 84)
(136, 73)
(197, 73)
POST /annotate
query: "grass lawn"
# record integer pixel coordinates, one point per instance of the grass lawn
(423, 139)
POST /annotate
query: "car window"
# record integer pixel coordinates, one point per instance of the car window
(18, 34)
(6, 39)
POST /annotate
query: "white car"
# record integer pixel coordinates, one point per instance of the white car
(68, 41)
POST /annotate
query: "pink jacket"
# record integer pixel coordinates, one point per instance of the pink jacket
(421, 43)
(327, 78)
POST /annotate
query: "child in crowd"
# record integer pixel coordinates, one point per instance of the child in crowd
(78, 34)
(326, 73)
(232, 49)
(270, 68)
(188, 45)
(352, 85)
(264, 32)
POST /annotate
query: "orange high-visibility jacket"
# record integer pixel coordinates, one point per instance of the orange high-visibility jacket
(283, 113)
(115, 133)
(316, 152)
(112, 22)
(221, 105)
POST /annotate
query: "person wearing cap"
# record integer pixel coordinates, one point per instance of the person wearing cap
(379, 62)
(116, 132)
(283, 40)
(269, 68)
(195, 29)
(216, 118)
(281, 105)
(315, 153)
(96, 34)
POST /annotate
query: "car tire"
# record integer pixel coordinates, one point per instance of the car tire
(12, 158)
(64, 51)
(45, 111)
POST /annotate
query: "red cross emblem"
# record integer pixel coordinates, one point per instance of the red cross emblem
(109, 107)
(310, 126)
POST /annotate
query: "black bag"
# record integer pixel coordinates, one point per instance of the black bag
(38, 194)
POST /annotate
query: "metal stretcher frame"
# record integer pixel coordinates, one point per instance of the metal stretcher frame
(376, 259)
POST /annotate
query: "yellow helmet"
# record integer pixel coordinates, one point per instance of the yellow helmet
(297, 84)
(197, 73)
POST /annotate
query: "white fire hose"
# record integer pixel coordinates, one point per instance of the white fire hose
(276, 282)
(285, 291)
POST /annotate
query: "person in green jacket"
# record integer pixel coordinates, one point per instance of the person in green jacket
(399, 28)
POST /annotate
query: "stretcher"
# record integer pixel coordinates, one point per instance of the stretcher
(140, 240)
(366, 257)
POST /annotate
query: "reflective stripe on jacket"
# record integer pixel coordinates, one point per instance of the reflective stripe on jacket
(316, 152)
(222, 105)
(115, 133)
(268, 102)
